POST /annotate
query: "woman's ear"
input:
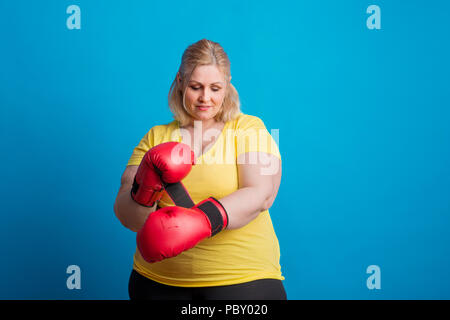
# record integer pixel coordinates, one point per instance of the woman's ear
(179, 82)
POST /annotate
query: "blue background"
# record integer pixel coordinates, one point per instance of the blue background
(363, 117)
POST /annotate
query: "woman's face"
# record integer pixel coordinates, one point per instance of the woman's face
(205, 92)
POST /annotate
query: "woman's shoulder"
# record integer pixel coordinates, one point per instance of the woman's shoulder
(164, 128)
(243, 121)
(162, 133)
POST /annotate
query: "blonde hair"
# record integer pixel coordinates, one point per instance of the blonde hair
(203, 52)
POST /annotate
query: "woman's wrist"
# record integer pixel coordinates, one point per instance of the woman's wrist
(130, 213)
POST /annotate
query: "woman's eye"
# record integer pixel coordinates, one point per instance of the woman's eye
(196, 88)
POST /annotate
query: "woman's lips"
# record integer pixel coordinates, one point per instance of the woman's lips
(203, 108)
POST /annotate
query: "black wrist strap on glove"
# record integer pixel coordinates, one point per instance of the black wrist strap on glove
(179, 195)
(216, 213)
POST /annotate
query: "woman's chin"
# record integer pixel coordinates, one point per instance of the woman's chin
(203, 116)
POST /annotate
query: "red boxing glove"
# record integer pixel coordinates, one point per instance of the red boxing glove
(169, 231)
(163, 164)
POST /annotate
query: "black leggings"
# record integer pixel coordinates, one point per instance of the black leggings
(142, 288)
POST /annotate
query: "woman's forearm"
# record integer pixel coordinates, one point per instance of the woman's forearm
(242, 206)
(131, 214)
(245, 204)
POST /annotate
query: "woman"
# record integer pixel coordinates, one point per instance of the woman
(238, 164)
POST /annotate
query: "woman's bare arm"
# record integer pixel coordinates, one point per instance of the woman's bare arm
(131, 214)
(257, 192)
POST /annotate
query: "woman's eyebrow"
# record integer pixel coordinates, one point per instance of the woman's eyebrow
(218, 82)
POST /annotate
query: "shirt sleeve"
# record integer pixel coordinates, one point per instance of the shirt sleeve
(146, 143)
(253, 136)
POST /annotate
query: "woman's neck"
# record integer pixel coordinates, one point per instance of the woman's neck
(205, 124)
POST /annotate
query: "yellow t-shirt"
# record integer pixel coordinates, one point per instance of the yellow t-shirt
(232, 256)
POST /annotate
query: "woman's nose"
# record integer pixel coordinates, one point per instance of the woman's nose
(205, 95)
